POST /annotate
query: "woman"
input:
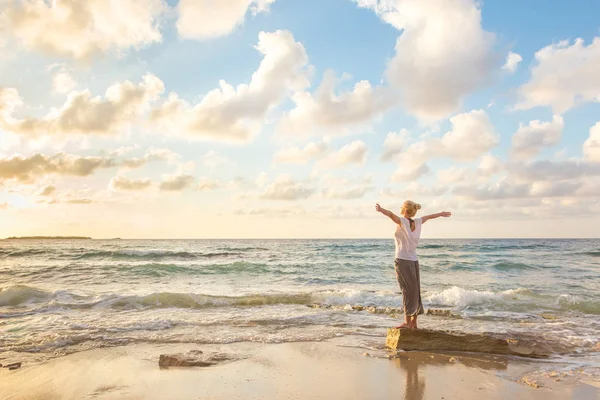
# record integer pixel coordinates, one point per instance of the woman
(408, 232)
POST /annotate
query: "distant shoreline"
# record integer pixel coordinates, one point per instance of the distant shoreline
(49, 237)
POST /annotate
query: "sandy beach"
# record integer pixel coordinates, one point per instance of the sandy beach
(302, 370)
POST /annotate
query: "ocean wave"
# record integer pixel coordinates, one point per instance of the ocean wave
(21, 294)
(519, 299)
(592, 253)
(508, 266)
(12, 253)
(148, 255)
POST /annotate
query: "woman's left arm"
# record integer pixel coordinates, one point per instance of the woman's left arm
(445, 214)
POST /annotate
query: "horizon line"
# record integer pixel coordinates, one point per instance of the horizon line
(43, 237)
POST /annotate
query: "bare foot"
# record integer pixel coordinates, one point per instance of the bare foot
(404, 325)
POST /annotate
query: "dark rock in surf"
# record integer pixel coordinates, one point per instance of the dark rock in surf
(425, 339)
(12, 367)
(194, 358)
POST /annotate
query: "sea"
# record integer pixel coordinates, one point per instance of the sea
(63, 296)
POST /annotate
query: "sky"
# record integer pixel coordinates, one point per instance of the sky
(292, 118)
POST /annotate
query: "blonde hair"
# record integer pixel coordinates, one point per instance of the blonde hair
(410, 208)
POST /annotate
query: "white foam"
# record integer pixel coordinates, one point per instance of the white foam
(358, 298)
(459, 297)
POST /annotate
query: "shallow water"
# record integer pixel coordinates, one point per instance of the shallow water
(63, 296)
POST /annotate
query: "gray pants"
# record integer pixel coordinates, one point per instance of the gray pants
(407, 273)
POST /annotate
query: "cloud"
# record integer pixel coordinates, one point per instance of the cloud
(442, 55)
(231, 114)
(295, 155)
(507, 189)
(512, 62)
(82, 28)
(565, 76)
(530, 139)
(489, 165)
(28, 168)
(84, 114)
(205, 184)
(347, 193)
(454, 175)
(409, 169)
(415, 190)
(471, 136)
(153, 154)
(284, 187)
(63, 82)
(553, 170)
(177, 182)
(352, 153)
(47, 190)
(25, 169)
(394, 143)
(591, 147)
(332, 112)
(78, 201)
(205, 19)
(123, 183)
(213, 159)
(279, 212)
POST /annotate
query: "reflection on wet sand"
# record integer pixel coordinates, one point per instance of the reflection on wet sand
(411, 361)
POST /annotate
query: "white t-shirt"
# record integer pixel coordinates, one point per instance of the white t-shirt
(407, 240)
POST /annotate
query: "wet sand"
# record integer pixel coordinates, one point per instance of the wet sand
(306, 370)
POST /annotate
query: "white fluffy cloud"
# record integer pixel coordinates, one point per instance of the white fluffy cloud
(472, 135)
(123, 183)
(591, 147)
(284, 187)
(553, 170)
(530, 139)
(153, 154)
(454, 174)
(82, 113)
(176, 182)
(26, 169)
(512, 62)
(81, 28)
(442, 55)
(47, 190)
(489, 165)
(352, 153)
(63, 82)
(564, 77)
(394, 144)
(336, 113)
(205, 19)
(296, 155)
(237, 114)
(410, 168)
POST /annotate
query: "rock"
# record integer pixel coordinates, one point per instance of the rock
(528, 381)
(425, 339)
(596, 347)
(194, 358)
(548, 316)
(366, 354)
(13, 366)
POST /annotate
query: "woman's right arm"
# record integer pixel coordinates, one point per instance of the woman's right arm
(388, 213)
